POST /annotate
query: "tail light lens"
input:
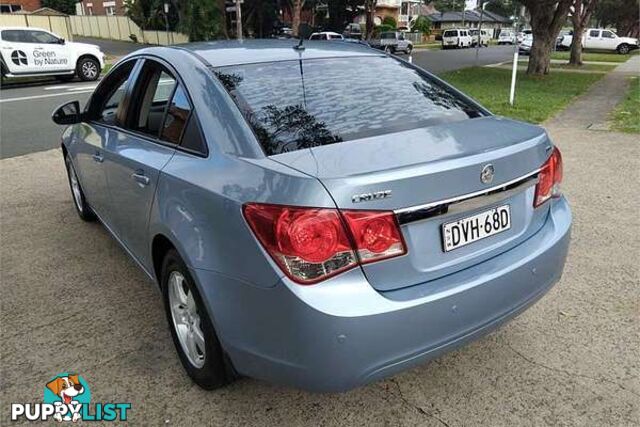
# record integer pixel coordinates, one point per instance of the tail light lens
(313, 244)
(549, 179)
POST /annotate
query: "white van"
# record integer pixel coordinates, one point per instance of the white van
(31, 52)
(484, 37)
(456, 38)
(506, 37)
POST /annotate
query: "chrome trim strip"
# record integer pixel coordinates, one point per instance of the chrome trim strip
(467, 201)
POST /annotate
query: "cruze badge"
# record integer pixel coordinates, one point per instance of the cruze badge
(486, 176)
(368, 197)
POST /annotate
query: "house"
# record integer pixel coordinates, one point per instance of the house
(100, 7)
(404, 12)
(13, 6)
(470, 19)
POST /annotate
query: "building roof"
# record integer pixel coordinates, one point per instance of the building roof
(233, 52)
(469, 16)
(43, 11)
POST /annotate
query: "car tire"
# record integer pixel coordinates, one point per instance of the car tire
(623, 49)
(191, 328)
(82, 207)
(408, 50)
(88, 69)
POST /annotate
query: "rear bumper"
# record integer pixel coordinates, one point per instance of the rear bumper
(341, 333)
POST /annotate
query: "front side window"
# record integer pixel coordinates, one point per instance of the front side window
(112, 91)
(608, 35)
(293, 105)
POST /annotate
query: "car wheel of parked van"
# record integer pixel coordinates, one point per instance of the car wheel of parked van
(191, 328)
(409, 49)
(623, 49)
(88, 69)
(82, 207)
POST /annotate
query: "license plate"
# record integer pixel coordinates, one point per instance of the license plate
(477, 227)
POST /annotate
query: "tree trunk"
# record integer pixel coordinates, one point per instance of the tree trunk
(540, 55)
(576, 45)
(369, 9)
(547, 17)
(223, 19)
(295, 18)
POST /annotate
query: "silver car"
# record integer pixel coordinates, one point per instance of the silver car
(304, 231)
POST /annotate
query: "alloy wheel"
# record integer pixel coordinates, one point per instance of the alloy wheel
(186, 320)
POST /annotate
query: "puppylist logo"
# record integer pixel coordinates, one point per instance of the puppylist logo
(67, 398)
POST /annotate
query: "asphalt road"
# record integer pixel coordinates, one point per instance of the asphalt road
(25, 110)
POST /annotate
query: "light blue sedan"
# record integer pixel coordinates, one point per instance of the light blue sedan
(321, 216)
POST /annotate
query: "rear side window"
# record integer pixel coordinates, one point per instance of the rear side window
(177, 115)
(293, 105)
(594, 33)
(17, 36)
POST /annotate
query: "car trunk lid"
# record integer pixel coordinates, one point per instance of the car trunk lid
(421, 167)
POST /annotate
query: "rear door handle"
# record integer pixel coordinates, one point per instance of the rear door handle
(140, 178)
(98, 157)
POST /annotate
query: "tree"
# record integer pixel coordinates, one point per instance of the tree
(546, 18)
(501, 7)
(423, 25)
(369, 10)
(201, 19)
(621, 14)
(449, 5)
(65, 6)
(582, 10)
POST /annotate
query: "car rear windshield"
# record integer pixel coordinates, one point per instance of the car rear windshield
(293, 105)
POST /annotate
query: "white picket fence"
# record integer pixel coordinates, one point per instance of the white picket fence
(121, 28)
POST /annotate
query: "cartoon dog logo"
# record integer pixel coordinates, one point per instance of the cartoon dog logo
(67, 388)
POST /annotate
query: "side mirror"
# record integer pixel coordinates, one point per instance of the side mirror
(61, 40)
(67, 114)
(304, 31)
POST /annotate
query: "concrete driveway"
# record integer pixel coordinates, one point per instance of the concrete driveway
(71, 300)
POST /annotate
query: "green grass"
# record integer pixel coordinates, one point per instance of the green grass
(596, 56)
(537, 98)
(626, 116)
(583, 67)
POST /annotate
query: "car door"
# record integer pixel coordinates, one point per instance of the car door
(105, 114)
(608, 40)
(50, 54)
(155, 121)
(17, 51)
(593, 39)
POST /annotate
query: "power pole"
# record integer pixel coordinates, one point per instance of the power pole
(239, 19)
(464, 7)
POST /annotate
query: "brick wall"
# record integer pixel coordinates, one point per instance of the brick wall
(100, 7)
(27, 5)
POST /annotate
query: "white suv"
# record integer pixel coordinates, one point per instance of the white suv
(34, 52)
(456, 38)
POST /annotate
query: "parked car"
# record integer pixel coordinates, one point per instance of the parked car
(506, 37)
(326, 35)
(561, 35)
(300, 230)
(353, 31)
(524, 48)
(485, 37)
(394, 41)
(456, 38)
(602, 39)
(29, 52)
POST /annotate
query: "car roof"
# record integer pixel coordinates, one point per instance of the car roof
(236, 52)
(24, 28)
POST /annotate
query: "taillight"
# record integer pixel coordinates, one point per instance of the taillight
(549, 179)
(312, 244)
